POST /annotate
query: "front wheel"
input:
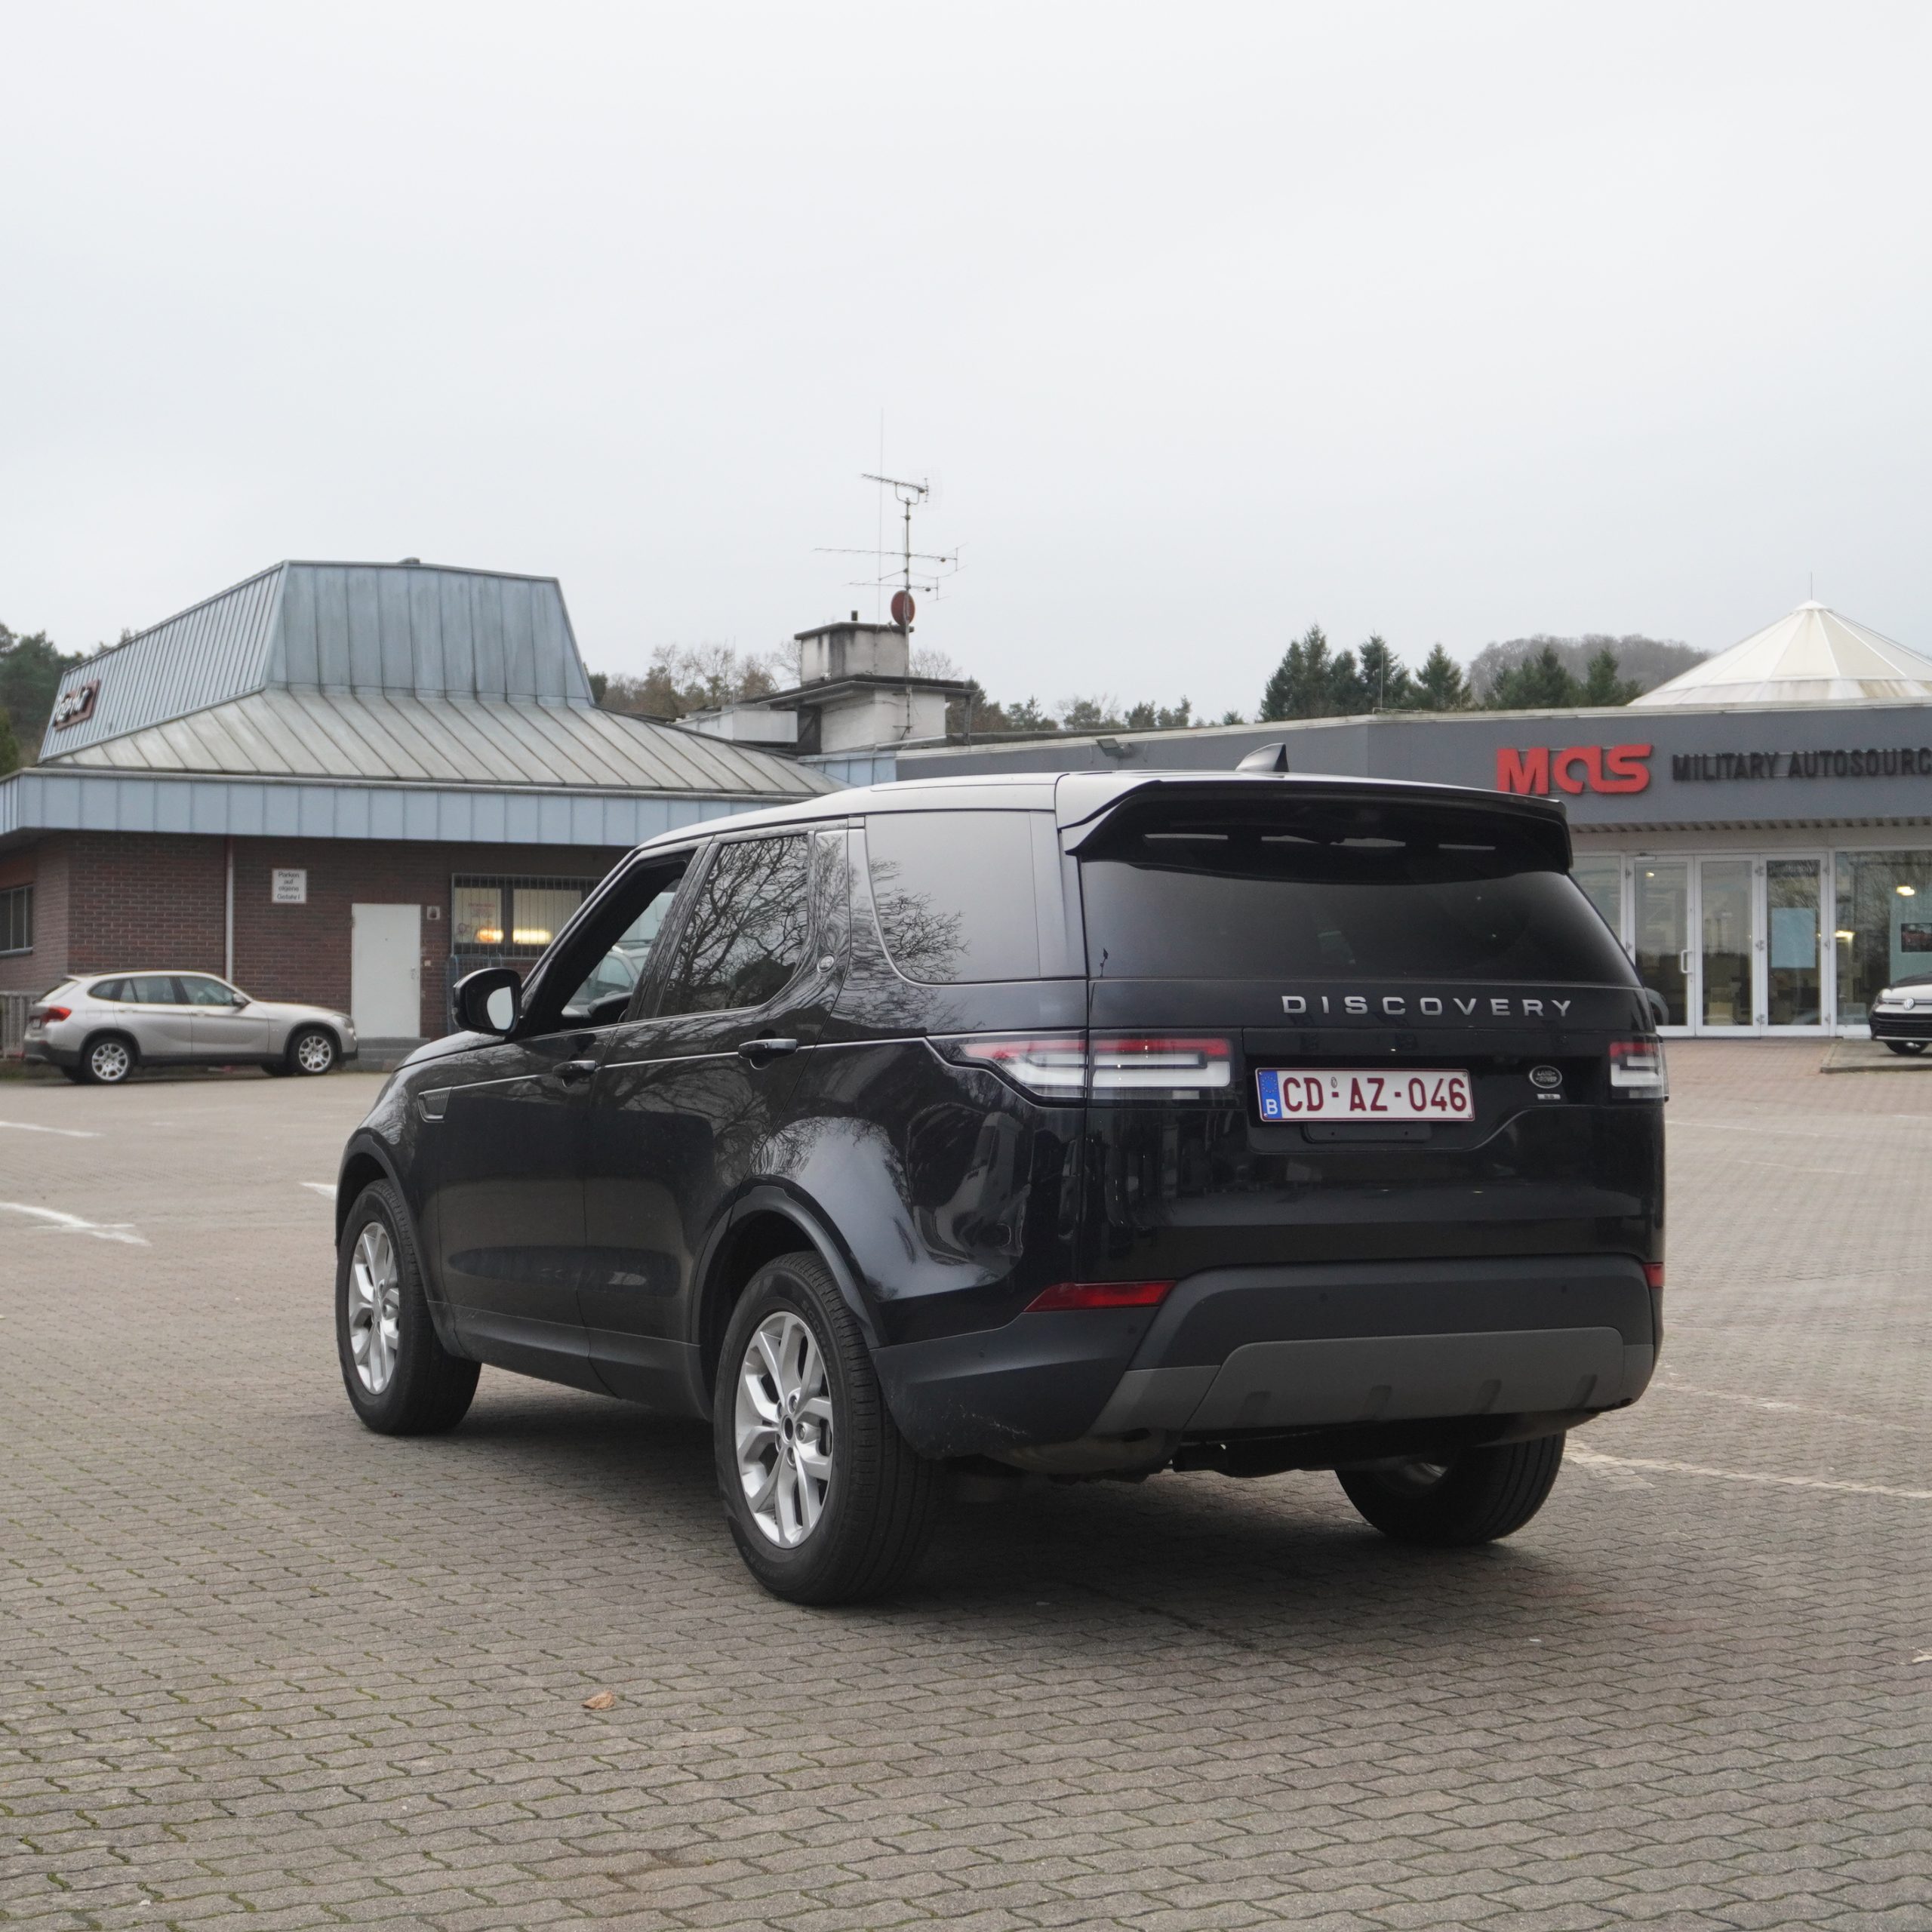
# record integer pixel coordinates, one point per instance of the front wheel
(313, 1051)
(1914, 1046)
(826, 1501)
(1478, 1496)
(401, 1379)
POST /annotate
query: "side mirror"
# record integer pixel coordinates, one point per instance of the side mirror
(490, 1000)
(1660, 1011)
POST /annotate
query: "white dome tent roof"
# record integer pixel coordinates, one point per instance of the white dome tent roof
(1812, 656)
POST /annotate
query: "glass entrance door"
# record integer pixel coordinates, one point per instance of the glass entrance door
(1725, 1003)
(1794, 906)
(1660, 924)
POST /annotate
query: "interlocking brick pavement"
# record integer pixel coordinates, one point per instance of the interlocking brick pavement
(258, 1666)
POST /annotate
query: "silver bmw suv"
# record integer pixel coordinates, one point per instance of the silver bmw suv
(99, 1029)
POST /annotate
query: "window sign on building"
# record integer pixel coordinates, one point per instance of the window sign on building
(476, 915)
(288, 885)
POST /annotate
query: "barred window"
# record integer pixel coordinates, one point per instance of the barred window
(507, 917)
(17, 919)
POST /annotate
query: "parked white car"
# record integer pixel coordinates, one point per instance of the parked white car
(99, 1028)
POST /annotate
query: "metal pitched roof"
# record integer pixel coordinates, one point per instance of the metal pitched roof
(379, 737)
(420, 630)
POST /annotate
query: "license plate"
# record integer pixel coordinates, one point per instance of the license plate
(1361, 1094)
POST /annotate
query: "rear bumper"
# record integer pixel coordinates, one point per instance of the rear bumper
(49, 1054)
(1246, 1352)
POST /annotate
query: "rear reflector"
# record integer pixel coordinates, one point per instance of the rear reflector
(1653, 1273)
(1637, 1068)
(1099, 1294)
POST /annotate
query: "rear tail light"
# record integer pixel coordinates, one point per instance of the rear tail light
(1055, 1067)
(1128, 1064)
(1653, 1273)
(1113, 1066)
(1099, 1294)
(44, 1013)
(1637, 1068)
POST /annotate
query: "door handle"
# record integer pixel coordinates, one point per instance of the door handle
(571, 1072)
(759, 1051)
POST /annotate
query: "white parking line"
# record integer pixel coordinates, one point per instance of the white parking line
(1593, 1458)
(1667, 1380)
(322, 1187)
(67, 1133)
(72, 1224)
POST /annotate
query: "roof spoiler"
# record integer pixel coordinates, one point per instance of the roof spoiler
(1086, 802)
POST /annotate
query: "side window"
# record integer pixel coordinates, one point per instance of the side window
(617, 968)
(954, 894)
(154, 989)
(114, 990)
(205, 993)
(748, 931)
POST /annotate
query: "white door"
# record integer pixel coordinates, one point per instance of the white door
(384, 971)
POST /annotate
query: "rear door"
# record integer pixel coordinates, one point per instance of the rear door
(689, 1102)
(1347, 1028)
(159, 1017)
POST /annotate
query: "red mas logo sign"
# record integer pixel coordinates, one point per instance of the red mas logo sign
(1576, 769)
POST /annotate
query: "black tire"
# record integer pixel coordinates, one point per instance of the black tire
(108, 1059)
(77, 1074)
(312, 1050)
(427, 1390)
(1914, 1046)
(1478, 1496)
(881, 1501)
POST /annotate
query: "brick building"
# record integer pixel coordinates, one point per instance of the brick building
(343, 783)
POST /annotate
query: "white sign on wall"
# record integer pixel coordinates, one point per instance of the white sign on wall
(289, 885)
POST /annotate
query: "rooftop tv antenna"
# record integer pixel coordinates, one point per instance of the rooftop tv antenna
(939, 564)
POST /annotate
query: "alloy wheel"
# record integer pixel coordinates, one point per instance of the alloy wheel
(375, 1302)
(784, 1430)
(315, 1052)
(110, 1061)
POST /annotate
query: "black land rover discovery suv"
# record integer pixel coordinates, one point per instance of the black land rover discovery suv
(1086, 1126)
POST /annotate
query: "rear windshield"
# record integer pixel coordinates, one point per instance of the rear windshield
(1365, 893)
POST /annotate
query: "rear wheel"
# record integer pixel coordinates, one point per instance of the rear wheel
(401, 1379)
(1478, 1496)
(313, 1051)
(1906, 1046)
(108, 1061)
(826, 1501)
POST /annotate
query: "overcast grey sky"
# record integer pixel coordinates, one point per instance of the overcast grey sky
(1209, 322)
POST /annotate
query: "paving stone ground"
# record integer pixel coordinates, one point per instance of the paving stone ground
(258, 1666)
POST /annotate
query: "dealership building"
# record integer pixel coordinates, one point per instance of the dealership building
(350, 784)
(1758, 832)
(345, 784)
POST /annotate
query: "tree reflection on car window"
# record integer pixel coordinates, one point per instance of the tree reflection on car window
(748, 931)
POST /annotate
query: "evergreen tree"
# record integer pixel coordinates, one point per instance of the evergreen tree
(1386, 681)
(1304, 683)
(1601, 684)
(1540, 683)
(1441, 685)
(9, 749)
